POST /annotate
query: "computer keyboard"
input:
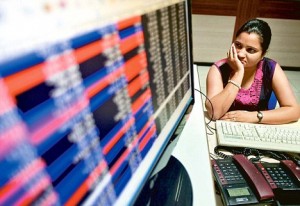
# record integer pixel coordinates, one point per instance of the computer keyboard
(259, 136)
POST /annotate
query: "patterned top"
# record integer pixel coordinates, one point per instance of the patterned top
(258, 95)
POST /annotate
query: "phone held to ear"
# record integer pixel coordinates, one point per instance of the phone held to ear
(242, 182)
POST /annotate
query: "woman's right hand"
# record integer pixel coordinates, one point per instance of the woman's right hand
(233, 60)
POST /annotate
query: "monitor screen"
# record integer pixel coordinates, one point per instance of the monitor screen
(90, 94)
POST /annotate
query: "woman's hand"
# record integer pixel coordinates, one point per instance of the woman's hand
(233, 60)
(240, 116)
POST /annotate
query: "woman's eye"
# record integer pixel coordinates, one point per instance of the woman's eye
(251, 51)
(238, 46)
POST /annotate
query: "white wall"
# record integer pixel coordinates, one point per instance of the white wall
(212, 36)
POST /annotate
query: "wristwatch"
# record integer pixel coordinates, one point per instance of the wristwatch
(259, 116)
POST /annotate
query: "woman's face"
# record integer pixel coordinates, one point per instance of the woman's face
(249, 49)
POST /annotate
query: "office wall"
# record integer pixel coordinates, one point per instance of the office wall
(212, 36)
(215, 22)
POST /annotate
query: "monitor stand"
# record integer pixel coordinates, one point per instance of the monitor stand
(170, 186)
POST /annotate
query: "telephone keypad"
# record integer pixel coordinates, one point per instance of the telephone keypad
(280, 178)
(231, 173)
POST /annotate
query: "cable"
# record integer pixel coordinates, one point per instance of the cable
(258, 154)
(221, 154)
(293, 157)
(211, 118)
(212, 108)
(239, 150)
(213, 156)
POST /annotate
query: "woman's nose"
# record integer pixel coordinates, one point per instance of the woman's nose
(241, 53)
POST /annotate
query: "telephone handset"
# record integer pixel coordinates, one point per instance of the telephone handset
(257, 181)
(241, 182)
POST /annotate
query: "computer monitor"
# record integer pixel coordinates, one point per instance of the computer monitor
(91, 93)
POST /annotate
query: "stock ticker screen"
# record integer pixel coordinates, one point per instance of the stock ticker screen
(81, 111)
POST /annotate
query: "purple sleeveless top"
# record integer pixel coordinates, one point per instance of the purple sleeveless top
(257, 96)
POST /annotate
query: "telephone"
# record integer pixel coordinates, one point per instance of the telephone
(242, 182)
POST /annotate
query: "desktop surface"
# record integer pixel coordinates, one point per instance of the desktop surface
(192, 150)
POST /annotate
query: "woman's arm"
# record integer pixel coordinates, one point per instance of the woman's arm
(222, 98)
(289, 109)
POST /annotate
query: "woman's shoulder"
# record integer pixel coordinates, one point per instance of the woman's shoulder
(220, 62)
(270, 62)
(269, 67)
(223, 68)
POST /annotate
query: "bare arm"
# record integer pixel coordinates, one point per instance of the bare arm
(222, 98)
(289, 109)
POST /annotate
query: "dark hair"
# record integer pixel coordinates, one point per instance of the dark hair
(261, 28)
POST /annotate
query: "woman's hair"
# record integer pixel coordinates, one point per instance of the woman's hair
(261, 28)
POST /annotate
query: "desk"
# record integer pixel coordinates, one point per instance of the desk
(192, 151)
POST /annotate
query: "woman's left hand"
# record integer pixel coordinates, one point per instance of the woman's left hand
(238, 116)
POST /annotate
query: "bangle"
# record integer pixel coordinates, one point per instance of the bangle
(234, 83)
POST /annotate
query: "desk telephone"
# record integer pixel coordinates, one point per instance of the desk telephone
(242, 182)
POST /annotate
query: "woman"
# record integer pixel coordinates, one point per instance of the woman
(239, 87)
